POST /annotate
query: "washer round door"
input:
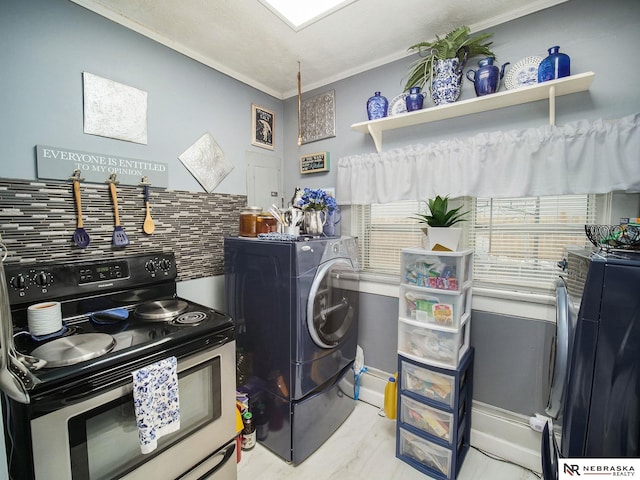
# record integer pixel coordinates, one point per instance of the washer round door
(332, 306)
(566, 319)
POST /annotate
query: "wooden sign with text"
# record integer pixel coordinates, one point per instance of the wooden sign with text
(59, 163)
(314, 162)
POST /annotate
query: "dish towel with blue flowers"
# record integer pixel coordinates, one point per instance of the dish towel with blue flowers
(156, 402)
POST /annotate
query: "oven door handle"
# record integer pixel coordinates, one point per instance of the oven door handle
(196, 473)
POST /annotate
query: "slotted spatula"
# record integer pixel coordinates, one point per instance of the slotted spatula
(120, 238)
(80, 236)
(148, 226)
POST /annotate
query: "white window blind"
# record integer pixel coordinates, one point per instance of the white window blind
(517, 242)
(383, 230)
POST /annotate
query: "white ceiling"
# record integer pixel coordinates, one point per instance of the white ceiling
(245, 40)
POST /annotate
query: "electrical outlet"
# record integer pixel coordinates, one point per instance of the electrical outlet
(537, 422)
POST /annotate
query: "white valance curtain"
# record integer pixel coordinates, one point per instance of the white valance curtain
(577, 158)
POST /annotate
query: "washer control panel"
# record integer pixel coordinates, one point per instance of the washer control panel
(28, 283)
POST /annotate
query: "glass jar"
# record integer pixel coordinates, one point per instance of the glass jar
(249, 221)
(266, 223)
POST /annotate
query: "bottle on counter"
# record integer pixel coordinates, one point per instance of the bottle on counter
(248, 432)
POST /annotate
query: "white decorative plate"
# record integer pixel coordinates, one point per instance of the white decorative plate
(398, 105)
(522, 73)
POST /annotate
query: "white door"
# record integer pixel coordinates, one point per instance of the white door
(264, 180)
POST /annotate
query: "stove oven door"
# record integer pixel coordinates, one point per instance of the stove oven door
(97, 438)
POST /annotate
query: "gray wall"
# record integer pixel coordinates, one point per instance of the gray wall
(47, 44)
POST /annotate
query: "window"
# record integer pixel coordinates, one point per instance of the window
(517, 242)
(383, 231)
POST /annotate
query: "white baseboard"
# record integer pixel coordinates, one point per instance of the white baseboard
(496, 431)
(506, 435)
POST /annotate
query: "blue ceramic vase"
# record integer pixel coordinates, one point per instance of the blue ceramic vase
(486, 79)
(414, 100)
(377, 106)
(447, 81)
(556, 65)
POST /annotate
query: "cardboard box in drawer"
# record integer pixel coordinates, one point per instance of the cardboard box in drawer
(435, 345)
(435, 386)
(438, 307)
(426, 419)
(440, 270)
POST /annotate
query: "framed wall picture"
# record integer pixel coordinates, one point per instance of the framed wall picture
(314, 162)
(263, 124)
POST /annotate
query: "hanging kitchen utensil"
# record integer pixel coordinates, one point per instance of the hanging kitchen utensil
(80, 236)
(120, 238)
(148, 226)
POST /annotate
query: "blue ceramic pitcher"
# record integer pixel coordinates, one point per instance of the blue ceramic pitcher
(333, 218)
(486, 79)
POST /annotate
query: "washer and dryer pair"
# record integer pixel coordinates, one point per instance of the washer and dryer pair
(295, 307)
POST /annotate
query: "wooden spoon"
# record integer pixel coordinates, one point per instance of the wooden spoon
(148, 227)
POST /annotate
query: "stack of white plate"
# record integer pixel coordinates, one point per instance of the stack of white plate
(44, 318)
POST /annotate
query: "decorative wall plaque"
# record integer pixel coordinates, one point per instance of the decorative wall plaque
(318, 117)
(114, 110)
(59, 163)
(206, 162)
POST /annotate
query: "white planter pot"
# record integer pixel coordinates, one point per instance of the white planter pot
(443, 238)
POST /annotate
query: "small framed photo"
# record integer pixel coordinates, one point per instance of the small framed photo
(263, 124)
(314, 163)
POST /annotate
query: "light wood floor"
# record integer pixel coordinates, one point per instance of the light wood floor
(364, 448)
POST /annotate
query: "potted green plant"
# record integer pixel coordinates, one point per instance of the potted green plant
(441, 233)
(444, 58)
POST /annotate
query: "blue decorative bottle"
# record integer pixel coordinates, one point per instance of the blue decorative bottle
(377, 106)
(414, 100)
(556, 65)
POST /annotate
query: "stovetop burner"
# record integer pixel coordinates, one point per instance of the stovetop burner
(189, 318)
(161, 310)
(70, 350)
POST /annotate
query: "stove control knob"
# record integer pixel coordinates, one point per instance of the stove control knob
(150, 266)
(165, 264)
(43, 279)
(19, 281)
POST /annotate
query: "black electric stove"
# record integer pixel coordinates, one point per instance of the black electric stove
(117, 315)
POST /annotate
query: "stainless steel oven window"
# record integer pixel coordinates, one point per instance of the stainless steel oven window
(104, 441)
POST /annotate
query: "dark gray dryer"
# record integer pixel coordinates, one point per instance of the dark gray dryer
(295, 307)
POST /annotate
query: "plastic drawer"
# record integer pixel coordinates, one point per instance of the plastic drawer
(426, 419)
(428, 384)
(439, 270)
(437, 307)
(428, 454)
(435, 345)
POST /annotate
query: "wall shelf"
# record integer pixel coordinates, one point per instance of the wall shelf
(547, 90)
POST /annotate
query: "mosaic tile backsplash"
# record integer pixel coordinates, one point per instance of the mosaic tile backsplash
(37, 221)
